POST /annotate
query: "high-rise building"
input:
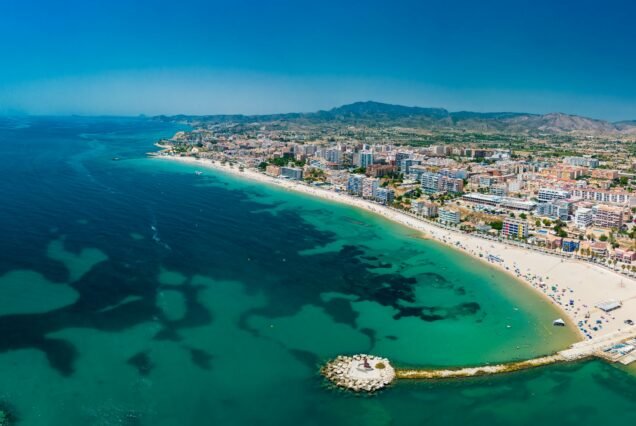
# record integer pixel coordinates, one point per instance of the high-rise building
(454, 173)
(366, 158)
(434, 182)
(379, 170)
(407, 163)
(424, 208)
(384, 196)
(295, 173)
(369, 187)
(354, 184)
(549, 194)
(306, 150)
(559, 209)
(399, 157)
(603, 196)
(607, 216)
(333, 155)
(450, 184)
(500, 190)
(582, 162)
(475, 153)
(583, 217)
(430, 182)
(440, 150)
(515, 228)
(449, 217)
(415, 172)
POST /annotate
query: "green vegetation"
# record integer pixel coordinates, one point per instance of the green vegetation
(558, 228)
(414, 193)
(286, 161)
(315, 175)
(496, 224)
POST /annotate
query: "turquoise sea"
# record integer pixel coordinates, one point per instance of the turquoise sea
(135, 292)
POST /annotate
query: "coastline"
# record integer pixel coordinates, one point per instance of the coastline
(573, 287)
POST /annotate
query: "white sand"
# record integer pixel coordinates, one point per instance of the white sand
(584, 283)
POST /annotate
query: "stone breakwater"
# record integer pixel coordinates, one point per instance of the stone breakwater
(367, 373)
(478, 371)
(359, 373)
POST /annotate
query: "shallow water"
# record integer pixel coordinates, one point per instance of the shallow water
(135, 292)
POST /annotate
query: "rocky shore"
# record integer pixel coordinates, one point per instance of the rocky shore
(359, 373)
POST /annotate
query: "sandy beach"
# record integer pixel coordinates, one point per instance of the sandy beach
(574, 286)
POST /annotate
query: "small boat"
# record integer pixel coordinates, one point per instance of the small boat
(198, 173)
(558, 323)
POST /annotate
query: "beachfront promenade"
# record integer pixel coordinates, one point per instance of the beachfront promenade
(516, 243)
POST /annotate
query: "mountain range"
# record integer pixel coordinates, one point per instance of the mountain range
(376, 114)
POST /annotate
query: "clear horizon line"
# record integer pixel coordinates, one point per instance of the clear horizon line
(141, 114)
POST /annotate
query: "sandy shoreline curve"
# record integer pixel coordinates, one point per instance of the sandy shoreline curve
(573, 286)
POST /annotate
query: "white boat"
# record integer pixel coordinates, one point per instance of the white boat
(558, 322)
(198, 173)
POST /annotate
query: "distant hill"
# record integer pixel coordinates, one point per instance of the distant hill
(380, 114)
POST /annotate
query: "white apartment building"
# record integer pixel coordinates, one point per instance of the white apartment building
(583, 217)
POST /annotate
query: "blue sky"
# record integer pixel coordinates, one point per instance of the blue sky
(247, 56)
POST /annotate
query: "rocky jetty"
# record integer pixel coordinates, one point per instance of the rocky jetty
(359, 373)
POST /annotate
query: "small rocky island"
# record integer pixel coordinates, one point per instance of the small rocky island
(359, 373)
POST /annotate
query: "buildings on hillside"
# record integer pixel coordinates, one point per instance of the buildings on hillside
(582, 161)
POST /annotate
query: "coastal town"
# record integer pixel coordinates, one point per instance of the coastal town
(578, 205)
(562, 224)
